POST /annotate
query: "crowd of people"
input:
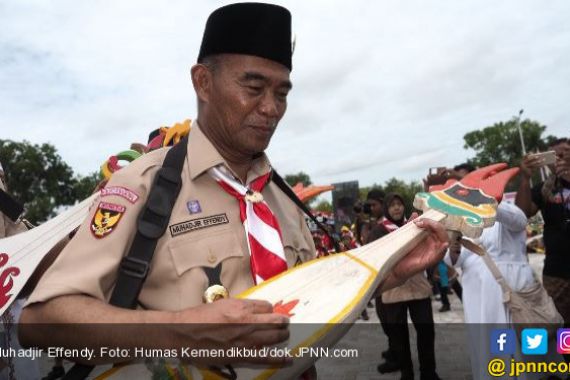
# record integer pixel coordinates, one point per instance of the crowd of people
(213, 214)
(466, 273)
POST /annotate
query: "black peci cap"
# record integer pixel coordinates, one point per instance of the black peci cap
(262, 30)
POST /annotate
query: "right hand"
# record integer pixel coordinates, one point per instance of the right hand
(530, 163)
(422, 256)
(228, 323)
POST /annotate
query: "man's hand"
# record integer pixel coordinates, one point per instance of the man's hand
(230, 323)
(529, 164)
(84, 321)
(424, 255)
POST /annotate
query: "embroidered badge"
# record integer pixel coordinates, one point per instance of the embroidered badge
(197, 224)
(122, 192)
(106, 219)
(194, 207)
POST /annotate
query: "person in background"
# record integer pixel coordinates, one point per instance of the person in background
(371, 212)
(347, 238)
(375, 198)
(441, 176)
(505, 243)
(319, 246)
(414, 296)
(442, 277)
(552, 199)
(368, 213)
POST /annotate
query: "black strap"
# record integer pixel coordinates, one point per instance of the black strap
(280, 182)
(151, 225)
(10, 207)
(214, 274)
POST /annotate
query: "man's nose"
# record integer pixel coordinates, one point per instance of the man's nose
(269, 106)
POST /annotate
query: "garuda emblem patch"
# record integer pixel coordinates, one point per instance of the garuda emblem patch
(106, 219)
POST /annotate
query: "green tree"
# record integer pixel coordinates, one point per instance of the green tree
(84, 185)
(293, 179)
(37, 176)
(323, 206)
(501, 142)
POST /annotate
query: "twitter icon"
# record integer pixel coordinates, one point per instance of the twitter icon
(534, 341)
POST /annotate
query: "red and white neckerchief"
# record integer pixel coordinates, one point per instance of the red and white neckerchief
(389, 225)
(267, 256)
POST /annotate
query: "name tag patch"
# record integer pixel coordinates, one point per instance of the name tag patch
(197, 224)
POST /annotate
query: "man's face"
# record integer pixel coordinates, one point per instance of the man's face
(375, 208)
(248, 98)
(560, 165)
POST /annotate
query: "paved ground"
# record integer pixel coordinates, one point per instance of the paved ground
(368, 338)
(451, 343)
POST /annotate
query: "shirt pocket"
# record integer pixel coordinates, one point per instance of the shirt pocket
(205, 250)
(296, 249)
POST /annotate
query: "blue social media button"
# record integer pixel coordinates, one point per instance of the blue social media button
(534, 341)
(503, 342)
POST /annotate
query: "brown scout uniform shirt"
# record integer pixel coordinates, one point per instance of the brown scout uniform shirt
(88, 265)
(415, 288)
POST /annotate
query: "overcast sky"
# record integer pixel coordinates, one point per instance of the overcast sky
(381, 88)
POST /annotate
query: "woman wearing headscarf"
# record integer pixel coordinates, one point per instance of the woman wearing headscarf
(413, 296)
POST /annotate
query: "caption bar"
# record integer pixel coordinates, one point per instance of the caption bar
(181, 353)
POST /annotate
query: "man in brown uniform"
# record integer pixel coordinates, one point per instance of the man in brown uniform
(242, 82)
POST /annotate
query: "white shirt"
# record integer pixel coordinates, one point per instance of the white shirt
(505, 242)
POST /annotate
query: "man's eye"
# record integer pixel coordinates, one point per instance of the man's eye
(255, 89)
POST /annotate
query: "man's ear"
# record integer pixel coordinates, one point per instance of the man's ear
(202, 81)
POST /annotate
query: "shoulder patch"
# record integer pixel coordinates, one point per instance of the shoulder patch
(106, 219)
(120, 191)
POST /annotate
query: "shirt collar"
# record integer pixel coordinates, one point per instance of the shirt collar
(205, 156)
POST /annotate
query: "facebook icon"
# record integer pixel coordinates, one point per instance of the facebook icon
(503, 342)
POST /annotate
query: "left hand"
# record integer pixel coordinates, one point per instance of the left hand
(426, 254)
